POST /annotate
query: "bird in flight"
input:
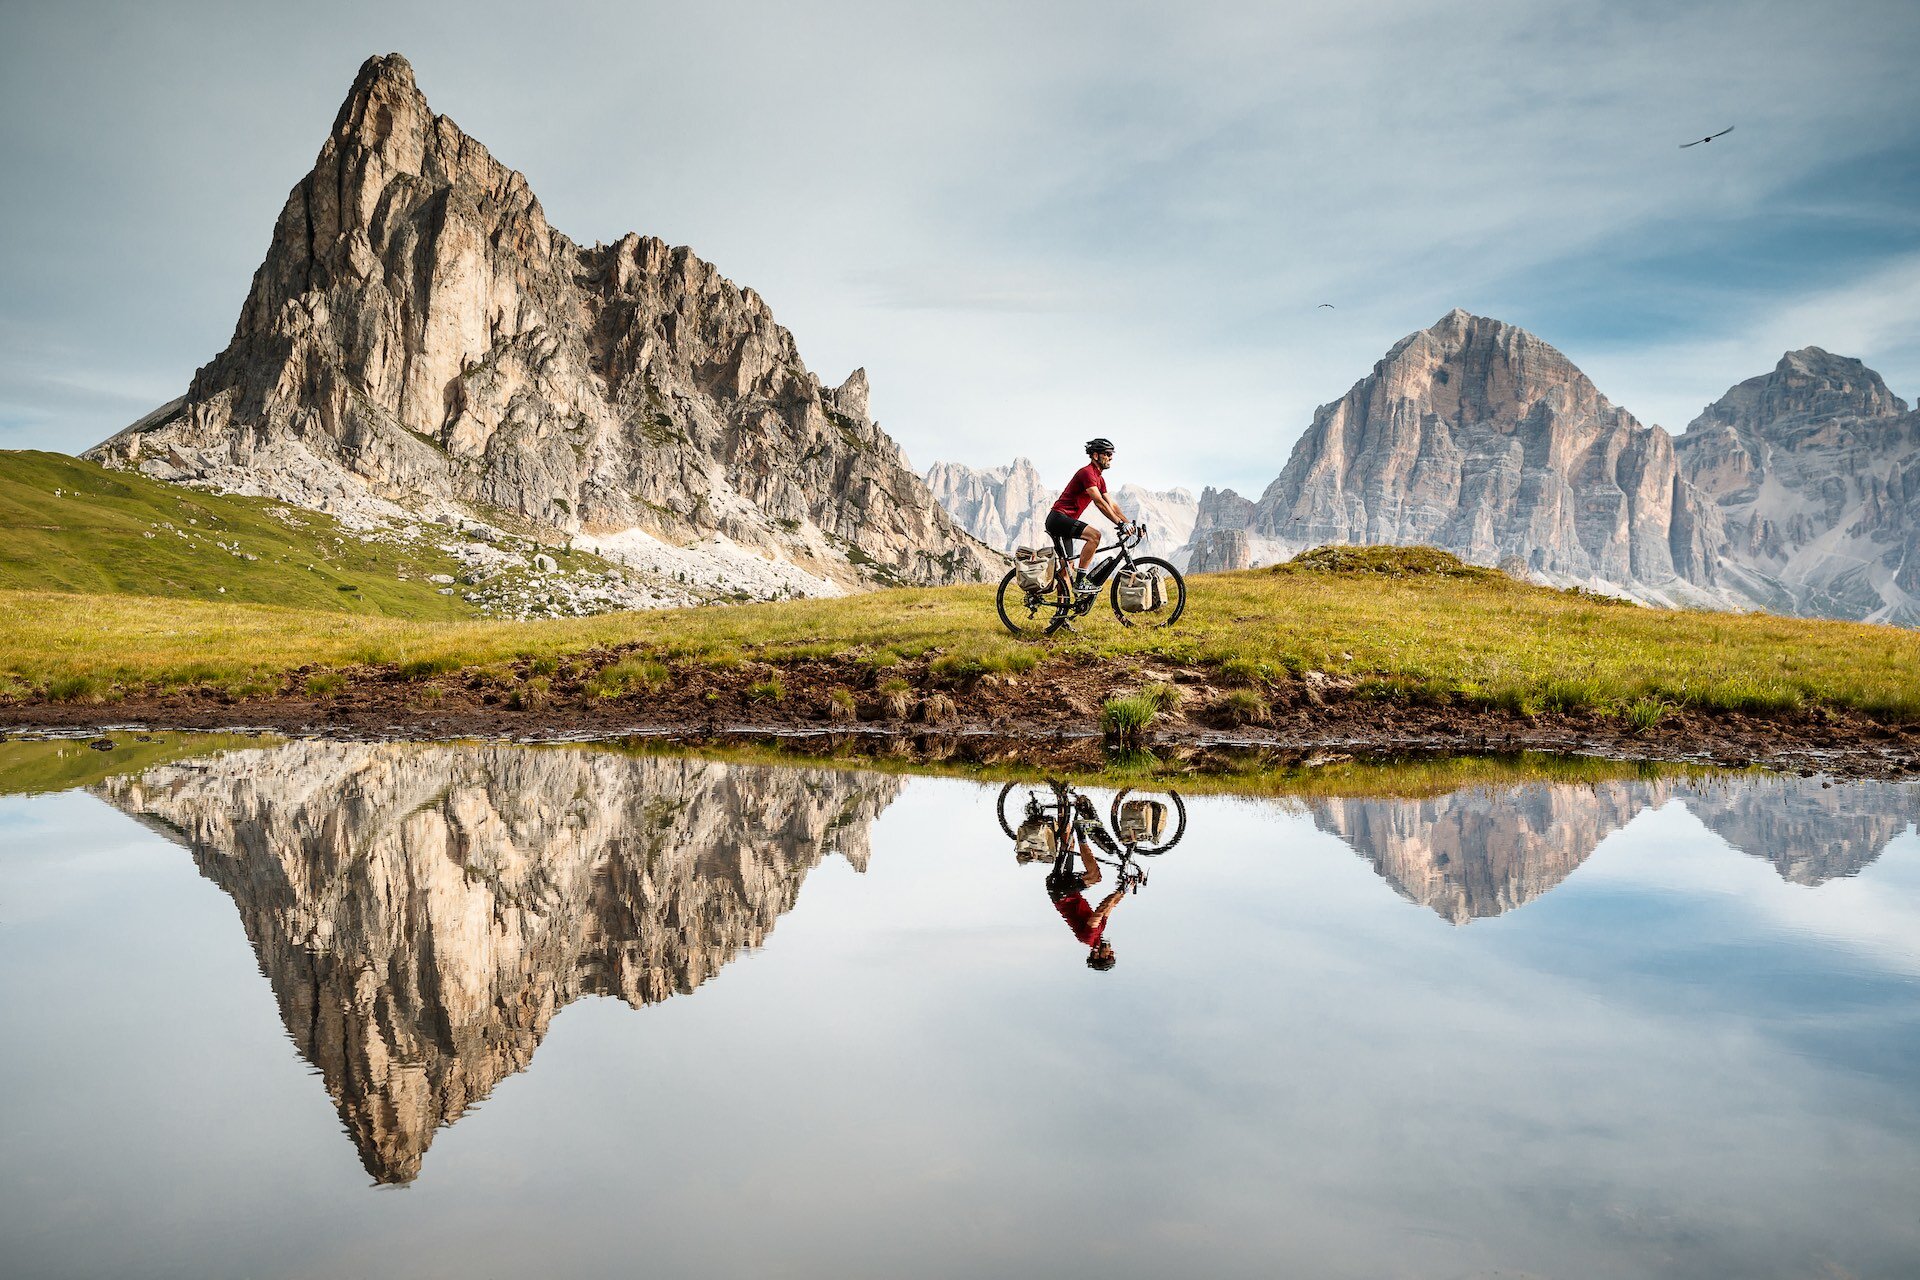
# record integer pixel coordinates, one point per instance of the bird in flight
(1328, 305)
(1709, 138)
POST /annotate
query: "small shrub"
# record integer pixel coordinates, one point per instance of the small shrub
(1244, 706)
(768, 690)
(322, 684)
(840, 703)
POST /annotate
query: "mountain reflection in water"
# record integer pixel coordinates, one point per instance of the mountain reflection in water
(1481, 852)
(423, 912)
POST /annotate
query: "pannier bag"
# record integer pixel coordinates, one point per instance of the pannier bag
(1143, 821)
(1033, 568)
(1140, 591)
(1036, 840)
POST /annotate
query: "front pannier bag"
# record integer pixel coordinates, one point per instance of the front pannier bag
(1140, 591)
(1033, 568)
(1143, 821)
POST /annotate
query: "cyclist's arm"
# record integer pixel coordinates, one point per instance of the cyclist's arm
(1107, 507)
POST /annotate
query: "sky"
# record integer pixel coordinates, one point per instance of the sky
(1033, 222)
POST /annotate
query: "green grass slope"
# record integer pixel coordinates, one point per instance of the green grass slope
(72, 526)
(1396, 624)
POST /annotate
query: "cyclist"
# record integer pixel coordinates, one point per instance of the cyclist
(1064, 885)
(1064, 523)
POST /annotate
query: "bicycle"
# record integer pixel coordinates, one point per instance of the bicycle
(1141, 825)
(1020, 606)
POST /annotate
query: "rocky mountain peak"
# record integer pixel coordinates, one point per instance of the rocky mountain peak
(419, 344)
(1810, 383)
(1476, 368)
(1475, 436)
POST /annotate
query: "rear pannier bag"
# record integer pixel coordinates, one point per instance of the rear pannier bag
(1139, 591)
(1037, 839)
(1143, 821)
(1033, 568)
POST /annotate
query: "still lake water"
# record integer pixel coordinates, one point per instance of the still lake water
(328, 1009)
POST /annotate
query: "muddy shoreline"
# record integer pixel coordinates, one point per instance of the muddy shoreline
(1049, 716)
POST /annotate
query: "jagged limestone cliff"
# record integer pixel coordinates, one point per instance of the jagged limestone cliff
(419, 341)
(1477, 437)
(422, 912)
(1815, 467)
(1797, 492)
(1006, 507)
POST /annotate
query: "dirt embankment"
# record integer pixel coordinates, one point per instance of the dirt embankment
(1053, 709)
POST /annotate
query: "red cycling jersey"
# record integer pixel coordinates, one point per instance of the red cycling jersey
(1079, 491)
(1078, 914)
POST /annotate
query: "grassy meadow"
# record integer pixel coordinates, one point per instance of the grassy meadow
(1396, 623)
(73, 526)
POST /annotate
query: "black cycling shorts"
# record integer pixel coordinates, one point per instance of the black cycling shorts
(1063, 530)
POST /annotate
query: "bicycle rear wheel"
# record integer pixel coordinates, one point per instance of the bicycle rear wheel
(1174, 596)
(1025, 613)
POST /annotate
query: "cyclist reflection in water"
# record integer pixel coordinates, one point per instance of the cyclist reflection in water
(1066, 887)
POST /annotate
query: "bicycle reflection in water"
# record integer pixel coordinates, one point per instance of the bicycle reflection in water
(1061, 828)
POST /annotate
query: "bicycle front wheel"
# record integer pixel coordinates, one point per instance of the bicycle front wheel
(1025, 613)
(1173, 596)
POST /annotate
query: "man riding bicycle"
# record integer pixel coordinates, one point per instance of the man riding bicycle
(1064, 523)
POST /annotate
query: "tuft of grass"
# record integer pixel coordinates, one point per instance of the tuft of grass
(767, 690)
(897, 695)
(71, 688)
(1644, 713)
(938, 709)
(1245, 671)
(1164, 697)
(1126, 719)
(841, 704)
(323, 684)
(627, 676)
(966, 667)
(1244, 706)
(426, 668)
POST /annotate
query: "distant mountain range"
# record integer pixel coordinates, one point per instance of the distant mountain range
(1006, 507)
(1797, 492)
(420, 352)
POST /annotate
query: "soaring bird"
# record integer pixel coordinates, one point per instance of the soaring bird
(1328, 305)
(1709, 138)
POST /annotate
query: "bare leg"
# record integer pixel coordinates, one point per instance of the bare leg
(1092, 536)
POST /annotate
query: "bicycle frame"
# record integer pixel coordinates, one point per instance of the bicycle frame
(1104, 566)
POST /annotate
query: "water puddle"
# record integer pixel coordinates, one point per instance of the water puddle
(598, 1007)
